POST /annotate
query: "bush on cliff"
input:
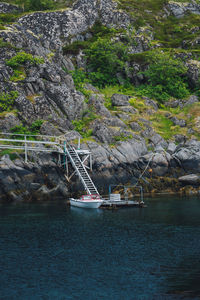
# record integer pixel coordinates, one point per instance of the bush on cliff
(7, 100)
(165, 76)
(105, 60)
(22, 58)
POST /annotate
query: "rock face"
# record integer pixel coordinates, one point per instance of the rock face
(191, 179)
(8, 8)
(120, 136)
(20, 181)
(179, 9)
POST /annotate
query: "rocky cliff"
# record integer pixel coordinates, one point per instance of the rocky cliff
(123, 130)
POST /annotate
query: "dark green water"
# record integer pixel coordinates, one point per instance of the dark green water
(49, 251)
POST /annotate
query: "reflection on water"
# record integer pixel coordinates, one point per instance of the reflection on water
(85, 213)
(52, 251)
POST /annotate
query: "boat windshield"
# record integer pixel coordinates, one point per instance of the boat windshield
(90, 197)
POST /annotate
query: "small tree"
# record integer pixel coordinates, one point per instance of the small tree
(166, 75)
(105, 60)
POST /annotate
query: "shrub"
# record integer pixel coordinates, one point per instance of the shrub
(33, 129)
(22, 58)
(18, 75)
(5, 44)
(35, 126)
(7, 100)
(166, 77)
(105, 59)
(82, 125)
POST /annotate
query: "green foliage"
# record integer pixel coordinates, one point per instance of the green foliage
(12, 155)
(7, 100)
(33, 129)
(82, 125)
(8, 18)
(18, 75)
(20, 129)
(122, 137)
(97, 31)
(165, 76)
(164, 126)
(106, 59)
(21, 58)
(5, 44)
(39, 4)
(79, 77)
(35, 126)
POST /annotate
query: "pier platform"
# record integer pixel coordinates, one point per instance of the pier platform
(122, 203)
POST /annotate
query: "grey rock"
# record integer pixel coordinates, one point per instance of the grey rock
(189, 157)
(114, 121)
(171, 148)
(193, 71)
(9, 122)
(157, 140)
(191, 179)
(179, 122)
(174, 103)
(98, 103)
(190, 131)
(67, 64)
(179, 138)
(179, 9)
(6, 8)
(135, 126)
(102, 132)
(128, 109)
(159, 164)
(151, 103)
(90, 87)
(120, 100)
(48, 129)
(192, 99)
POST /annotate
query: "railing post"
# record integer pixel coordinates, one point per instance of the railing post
(26, 156)
(90, 162)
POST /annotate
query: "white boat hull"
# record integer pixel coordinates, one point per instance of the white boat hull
(85, 204)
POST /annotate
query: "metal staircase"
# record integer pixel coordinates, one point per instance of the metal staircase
(81, 170)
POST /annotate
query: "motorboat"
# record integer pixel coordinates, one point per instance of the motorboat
(87, 201)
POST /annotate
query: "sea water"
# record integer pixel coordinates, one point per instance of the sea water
(51, 251)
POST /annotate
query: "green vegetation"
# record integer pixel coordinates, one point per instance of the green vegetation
(7, 100)
(33, 129)
(5, 44)
(21, 58)
(170, 31)
(18, 75)
(82, 126)
(96, 31)
(19, 61)
(37, 5)
(166, 78)
(11, 153)
(106, 59)
(122, 137)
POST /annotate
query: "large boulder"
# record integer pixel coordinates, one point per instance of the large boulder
(188, 156)
(120, 100)
(191, 179)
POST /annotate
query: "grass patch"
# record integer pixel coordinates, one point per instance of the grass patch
(82, 126)
(13, 155)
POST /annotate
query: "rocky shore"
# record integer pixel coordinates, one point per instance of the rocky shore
(124, 138)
